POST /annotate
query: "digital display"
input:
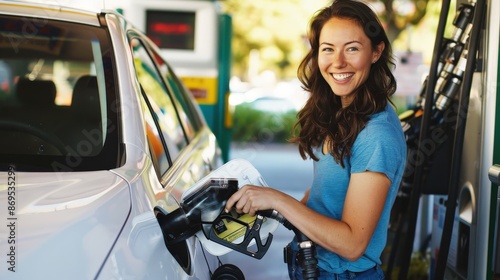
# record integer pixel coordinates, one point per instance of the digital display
(171, 29)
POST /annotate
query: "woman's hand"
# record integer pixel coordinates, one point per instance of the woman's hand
(250, 199)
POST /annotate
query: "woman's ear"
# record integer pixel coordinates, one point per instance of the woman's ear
(378, 51)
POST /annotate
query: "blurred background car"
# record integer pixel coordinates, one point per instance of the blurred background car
(272, 104)
(96, 130)
(267, 113)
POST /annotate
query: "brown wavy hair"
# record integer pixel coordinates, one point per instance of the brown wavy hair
(323, 116)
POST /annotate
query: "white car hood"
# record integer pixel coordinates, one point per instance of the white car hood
(63, 225)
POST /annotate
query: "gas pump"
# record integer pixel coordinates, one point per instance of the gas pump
(195, 38)
(453, 130)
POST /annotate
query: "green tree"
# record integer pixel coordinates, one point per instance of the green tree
(277, 29)
(274, 28)
(399, 14)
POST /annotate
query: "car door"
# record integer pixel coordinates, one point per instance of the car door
(182, 148)
(190, 145)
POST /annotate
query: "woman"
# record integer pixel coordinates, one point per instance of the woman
(350, 130)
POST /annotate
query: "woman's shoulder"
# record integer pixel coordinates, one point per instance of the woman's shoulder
(383, 126)
(383, 118)
(383, 132)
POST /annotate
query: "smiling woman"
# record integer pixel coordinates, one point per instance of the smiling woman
(350, 130)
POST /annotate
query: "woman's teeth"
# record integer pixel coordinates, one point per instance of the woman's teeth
(341, 76)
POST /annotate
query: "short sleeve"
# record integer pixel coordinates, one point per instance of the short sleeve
(379, 147)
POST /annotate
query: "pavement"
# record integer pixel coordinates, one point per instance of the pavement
(282, 168)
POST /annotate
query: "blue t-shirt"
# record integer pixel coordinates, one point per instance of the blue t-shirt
(379, 147)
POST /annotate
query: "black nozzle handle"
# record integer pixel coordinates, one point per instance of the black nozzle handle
(252, 233)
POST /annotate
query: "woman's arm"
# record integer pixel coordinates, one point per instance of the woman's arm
(347, 237)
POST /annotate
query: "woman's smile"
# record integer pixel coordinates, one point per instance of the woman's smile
(342, 77)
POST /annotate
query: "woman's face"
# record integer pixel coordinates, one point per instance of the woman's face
(345, 56)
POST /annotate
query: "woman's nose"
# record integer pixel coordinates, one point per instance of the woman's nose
(339, 60)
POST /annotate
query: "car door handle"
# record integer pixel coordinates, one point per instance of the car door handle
(494, 174)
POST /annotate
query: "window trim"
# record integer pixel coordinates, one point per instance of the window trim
(132, 34)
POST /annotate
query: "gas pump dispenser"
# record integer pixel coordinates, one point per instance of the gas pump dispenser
(453, 155)
(195, 38)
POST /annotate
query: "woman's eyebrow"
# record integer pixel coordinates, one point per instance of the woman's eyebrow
(346, 43)
(353, 42)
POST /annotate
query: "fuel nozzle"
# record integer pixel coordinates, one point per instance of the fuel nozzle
(201, 207)
(462, 19)
(450, 80)
(452, 60)
(451, 86)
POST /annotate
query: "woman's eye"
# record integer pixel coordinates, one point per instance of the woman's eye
(352, 49)
(327, 50)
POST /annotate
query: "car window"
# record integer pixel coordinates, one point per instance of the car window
(164, 110)
(55, 89)
(157, 146)
(188, 113)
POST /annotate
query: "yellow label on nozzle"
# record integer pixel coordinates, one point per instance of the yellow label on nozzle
(233, 226)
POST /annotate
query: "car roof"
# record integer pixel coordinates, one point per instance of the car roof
(42, 10)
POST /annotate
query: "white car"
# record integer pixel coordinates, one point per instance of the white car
(95, 132)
